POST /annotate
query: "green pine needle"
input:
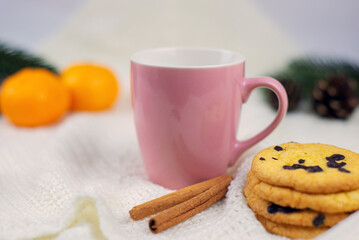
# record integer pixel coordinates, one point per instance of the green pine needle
(12, 60)
(307, 71)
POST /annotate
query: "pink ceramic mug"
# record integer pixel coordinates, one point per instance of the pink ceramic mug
(187, 103)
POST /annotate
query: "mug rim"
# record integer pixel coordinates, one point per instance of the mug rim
(136, 57)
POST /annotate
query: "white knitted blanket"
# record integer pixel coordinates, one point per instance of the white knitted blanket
(78, 180)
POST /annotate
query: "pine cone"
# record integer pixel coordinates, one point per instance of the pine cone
(293, 91)
(335, 98)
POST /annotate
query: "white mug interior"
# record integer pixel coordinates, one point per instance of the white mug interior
(187, 57)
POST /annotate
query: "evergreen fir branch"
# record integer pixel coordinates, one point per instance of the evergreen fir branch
(307, 71)
(12, 60)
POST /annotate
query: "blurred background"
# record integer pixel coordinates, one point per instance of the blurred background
(45, 170)
(268, 33)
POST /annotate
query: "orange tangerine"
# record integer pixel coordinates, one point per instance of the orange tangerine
(92, 87)
(33, 97)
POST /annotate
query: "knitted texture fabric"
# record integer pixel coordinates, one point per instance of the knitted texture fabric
(79, 179)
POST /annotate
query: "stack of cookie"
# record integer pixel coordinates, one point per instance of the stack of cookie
(301, 190)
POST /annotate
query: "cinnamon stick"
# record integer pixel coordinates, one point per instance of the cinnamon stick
(189, 208)
(167, 201)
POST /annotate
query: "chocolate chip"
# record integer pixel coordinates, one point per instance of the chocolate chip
(274, 208)
(278, 148)
(335, 164)
(262, 158)
(301, 160)
(318, 220)
(343, 170)
(313, 169)
(310, 169)
(274, 158)
(335, 157)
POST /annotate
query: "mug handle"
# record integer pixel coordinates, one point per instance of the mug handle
(248, 85)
